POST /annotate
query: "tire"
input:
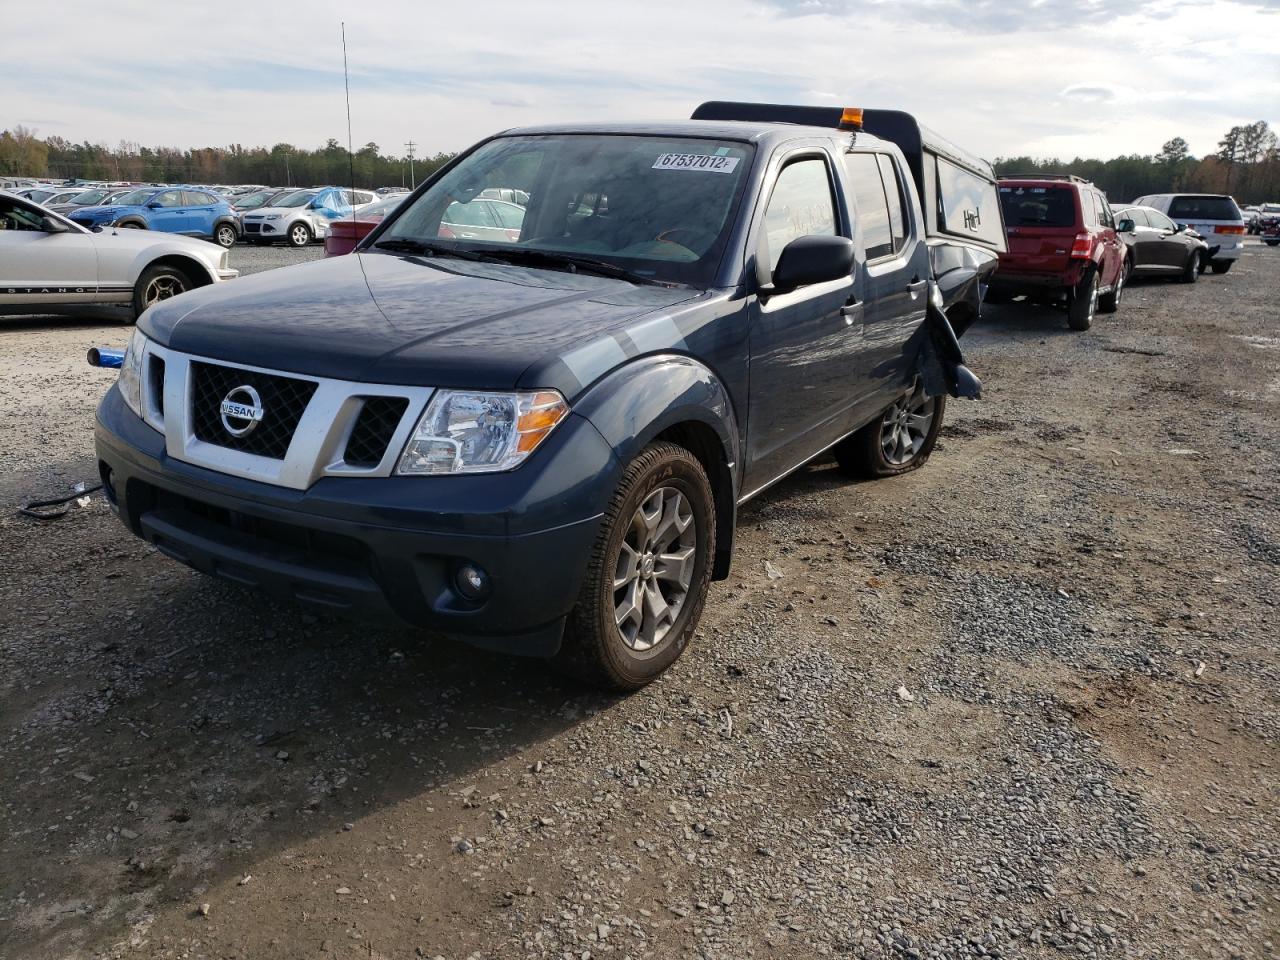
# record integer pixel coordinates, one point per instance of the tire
(1083, 302)
(1271, 243)
(158, 283)
(225, 235)
(1111, 302)
(299, 235)
(132, 225)
(626, 652)
(1220, 266)
(881, 450)
(1191, 272)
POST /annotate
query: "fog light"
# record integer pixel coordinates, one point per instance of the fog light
(472, 582)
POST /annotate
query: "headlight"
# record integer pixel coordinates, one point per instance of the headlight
(463, 432)
(130, 380)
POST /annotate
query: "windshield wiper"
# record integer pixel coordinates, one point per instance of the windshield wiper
(431, 249)
(575, 264)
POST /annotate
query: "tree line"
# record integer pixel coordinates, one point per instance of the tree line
(1246, 165)
(23, 154)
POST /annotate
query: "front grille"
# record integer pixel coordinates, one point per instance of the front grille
(283, 401)
(319, 546)
(378, 420)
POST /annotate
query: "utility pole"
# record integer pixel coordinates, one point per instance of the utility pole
(413, 184)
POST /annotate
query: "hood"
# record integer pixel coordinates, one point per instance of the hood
(111, 211)
(382, 318)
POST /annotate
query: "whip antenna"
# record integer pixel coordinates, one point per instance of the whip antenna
(351, 156)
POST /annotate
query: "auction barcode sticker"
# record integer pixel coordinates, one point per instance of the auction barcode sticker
(696, 161)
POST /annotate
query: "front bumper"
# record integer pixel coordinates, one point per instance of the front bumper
(383, 548)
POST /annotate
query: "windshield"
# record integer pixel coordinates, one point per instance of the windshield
(1038, 206)
(1184, 209)
(656, 206)
(135, 198)
(40, 196)
(89, 197)
(299, 199)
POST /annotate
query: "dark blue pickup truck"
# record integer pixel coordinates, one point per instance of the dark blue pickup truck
(525, 412)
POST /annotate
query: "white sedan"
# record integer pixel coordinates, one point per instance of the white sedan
(46, 259)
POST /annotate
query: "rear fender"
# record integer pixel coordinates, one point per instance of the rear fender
(665, 393)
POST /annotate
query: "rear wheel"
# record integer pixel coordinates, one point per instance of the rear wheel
(1111, 302)
(1082, 303)
(648, 574)
(1220, 266)
(160, 282)
(898, 442)
(1271, 243)
(299, 235)
(1193, 269)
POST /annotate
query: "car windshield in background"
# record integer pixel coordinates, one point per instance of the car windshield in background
(657, 207)
(299, 199)
(88, 197)
(135, 198)
(1038, 206)
(1186, 209)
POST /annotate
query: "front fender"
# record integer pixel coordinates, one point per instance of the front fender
(658, 394)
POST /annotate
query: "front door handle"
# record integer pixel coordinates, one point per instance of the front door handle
(915, 287)
(852, 312)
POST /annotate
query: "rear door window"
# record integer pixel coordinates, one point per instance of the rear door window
(1204, 208)
(801, 206)
(873, 206)
(1038, 206)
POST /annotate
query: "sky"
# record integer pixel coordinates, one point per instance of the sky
(1048, 78)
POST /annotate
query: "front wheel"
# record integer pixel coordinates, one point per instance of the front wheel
(1191, 272)
(226, 235)
(898, 442)
(648, 574)
(158, 283)
(1220, 266)
(1082, 304)
(299, 235)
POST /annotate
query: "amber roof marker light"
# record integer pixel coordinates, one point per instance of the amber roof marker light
(851, 118)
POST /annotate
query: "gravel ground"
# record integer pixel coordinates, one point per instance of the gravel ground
(1021, 703)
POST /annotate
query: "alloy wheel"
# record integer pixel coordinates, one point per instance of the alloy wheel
(163, 287)
(299, 235)
(654, 568)
(905, 427)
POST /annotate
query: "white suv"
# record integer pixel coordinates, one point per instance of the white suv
(303, 216)
(1213, 215)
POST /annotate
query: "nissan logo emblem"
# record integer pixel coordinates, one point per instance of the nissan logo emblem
(241, 411)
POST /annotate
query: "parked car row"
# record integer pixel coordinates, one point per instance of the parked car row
(1069, 246)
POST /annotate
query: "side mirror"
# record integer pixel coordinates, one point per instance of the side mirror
(1126, 226)
(153, 206)
(809, 260)
(1181, 228)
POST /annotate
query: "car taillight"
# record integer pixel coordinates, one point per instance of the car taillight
(1082, 247)
(1231, 230)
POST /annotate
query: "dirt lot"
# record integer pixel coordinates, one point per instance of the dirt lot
(1022, 703)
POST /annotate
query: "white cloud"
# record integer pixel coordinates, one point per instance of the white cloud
(1094, 77)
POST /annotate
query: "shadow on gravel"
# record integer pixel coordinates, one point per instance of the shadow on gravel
(1022, 318)
(63, 318)
(161, 731)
